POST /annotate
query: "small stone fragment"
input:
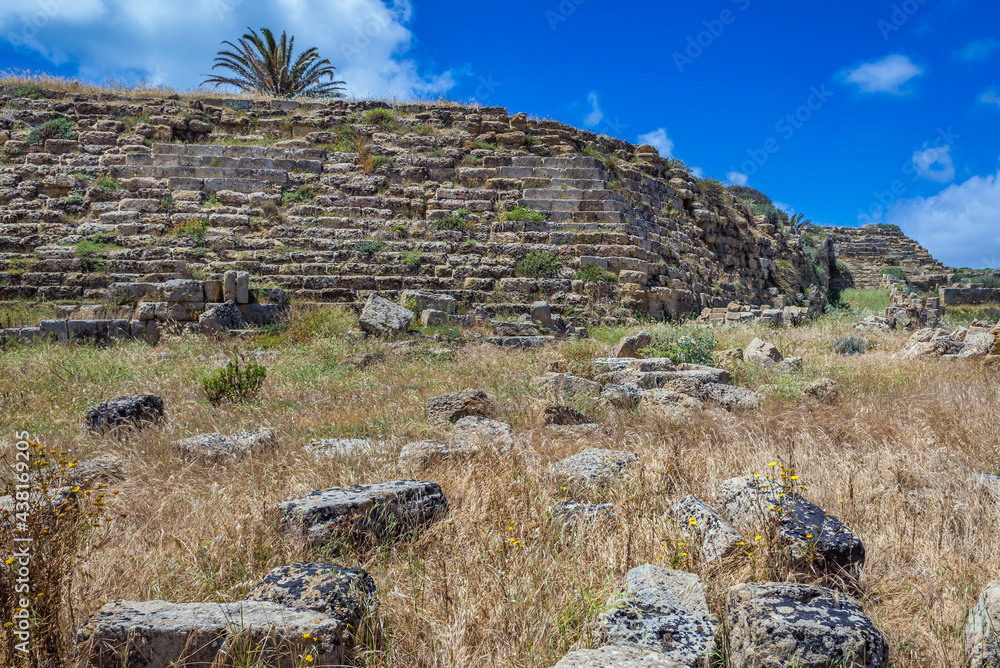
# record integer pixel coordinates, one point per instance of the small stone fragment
(592, 467)
(629, 346)
(345, 593)
(129, 411)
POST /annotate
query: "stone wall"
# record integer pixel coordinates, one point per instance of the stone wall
(143, 311)
(968, 295)
(869, 249)
(332, 203)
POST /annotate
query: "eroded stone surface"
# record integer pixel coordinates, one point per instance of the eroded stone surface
(662, 610)
(381, 317)
(234, 445)
(816, 539)
(129, 411)
(221, 318)
(449, 408)
(343, 447)
(592, 467)
(780, 624)
(982, 629)
(555, 414)
(157, 634)
(562, 386)
(629, 346)
(345, 593)
(379, 510)
(616, 657)
(717, 537)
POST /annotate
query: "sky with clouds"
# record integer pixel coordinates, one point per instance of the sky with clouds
(851, 112)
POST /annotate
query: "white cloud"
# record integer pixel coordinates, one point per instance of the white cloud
(781, 206)
(698, 172)
(737, 179)
(958, 225)
(596, 115)
(935, 164)
(979, 49)
(366, 40)
(659, 140)
(990, 97)
(887, 75)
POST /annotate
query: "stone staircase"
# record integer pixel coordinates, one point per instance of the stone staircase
(330, 203)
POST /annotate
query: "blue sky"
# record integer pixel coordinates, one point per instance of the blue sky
(848, 112)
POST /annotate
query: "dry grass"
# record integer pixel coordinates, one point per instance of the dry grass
(495, 583)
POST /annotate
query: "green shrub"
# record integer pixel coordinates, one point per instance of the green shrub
(237, 382)
(682, 347)
(370, 246)
(28, 91)
(591, 152)
(894, 271)
(677, 163)
(453, 221)
(851, 345)
(888, 227)
(384, 118)
(412, 258)
(476, 144)
(537, 263)
(595, 274)
(196, 230)
(57, 128)
(87, 251)
(107, 183)
(711, 187)
(297, 195)
(524, 214)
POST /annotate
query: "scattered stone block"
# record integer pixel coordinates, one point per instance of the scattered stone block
(449, 408)
(127, 411)
(418, 302)
(181, 290)
(555, 414)
(775, 624)
(473, 433)
(629, 346)
(381, 510)
(982, 629)
(221, 318)
(563, 386)
(762, 352)
(242, 287)
(817, 540)
(235, 445)
(670, 403)
(826, 390)
(662, 610)
(716, 537)
(622, 395)
(541, 314)
(592, 467)
(381, 317)
(347, 594)
(157, 634)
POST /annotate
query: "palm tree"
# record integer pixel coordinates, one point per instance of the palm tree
(799, 222)
(265, 66)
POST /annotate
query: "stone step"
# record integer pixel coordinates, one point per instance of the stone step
(226, 151)
(146, 160)
(571, 205)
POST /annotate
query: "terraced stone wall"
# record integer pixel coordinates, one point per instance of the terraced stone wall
(869, 249)
(334, 200)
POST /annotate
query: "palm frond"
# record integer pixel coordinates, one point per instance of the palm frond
(263, 64)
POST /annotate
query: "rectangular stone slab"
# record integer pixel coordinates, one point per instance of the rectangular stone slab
(380, 510)
(157, 634)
